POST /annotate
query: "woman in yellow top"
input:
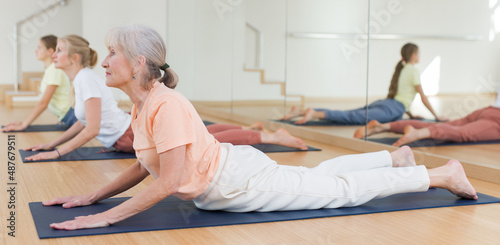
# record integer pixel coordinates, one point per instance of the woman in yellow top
(173, 145)
(55, 88)
(405, 84)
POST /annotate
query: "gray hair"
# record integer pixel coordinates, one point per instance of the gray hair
(140, 40)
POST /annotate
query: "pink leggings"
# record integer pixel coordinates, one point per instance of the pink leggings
(480, 125)
(233, 134)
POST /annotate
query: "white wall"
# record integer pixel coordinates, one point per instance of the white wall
(100, 16)
(207, 40)
(323, 68)
(447, 66)
(54, 22)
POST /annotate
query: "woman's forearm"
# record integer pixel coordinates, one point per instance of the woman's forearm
(427, 104)
(69, 134)
(147, 198)
(41, 105)
(128, 179)
(80, 139)
(39, 108)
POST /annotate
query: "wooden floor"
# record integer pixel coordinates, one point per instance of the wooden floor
(478, 224)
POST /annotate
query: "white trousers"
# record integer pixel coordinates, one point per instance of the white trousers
(248, 180)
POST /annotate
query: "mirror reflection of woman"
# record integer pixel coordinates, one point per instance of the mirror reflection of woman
(55, 89)
(95, 107)
(173, 145)
(480, 125)
(405, 84)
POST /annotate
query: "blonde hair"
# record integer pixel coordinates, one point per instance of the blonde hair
(139, 40)
(79, 45)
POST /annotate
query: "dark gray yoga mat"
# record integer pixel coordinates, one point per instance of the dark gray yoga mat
(82, 153)
(42, 128)
(271, 148)
(173, 213)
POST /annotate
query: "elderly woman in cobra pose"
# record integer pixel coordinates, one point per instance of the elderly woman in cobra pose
(174, 146)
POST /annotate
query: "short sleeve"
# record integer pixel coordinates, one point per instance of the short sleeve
(172, 125)
(55, 77)
(89, 87)
(416, 77)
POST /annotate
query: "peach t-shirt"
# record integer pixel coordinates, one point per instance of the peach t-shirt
(168, 120)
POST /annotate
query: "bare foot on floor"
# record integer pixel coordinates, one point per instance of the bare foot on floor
(294, 112)
(373, 127)
(403, 157)
(452, 177)
(308, 116)
(409, 136)
(282, 137)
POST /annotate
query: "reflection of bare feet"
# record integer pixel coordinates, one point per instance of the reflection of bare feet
(257, 126)
(282, 137)
(294, 112)
(452, 177)
(309, 115)
(373, 127)
(410, 136)
(403, 157)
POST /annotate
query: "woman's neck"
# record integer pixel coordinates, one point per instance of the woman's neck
(72, 71)
(136, 93)
(47, 62)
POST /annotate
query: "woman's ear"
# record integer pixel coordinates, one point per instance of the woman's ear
(51, 51)
(75, 58)
(139, 64)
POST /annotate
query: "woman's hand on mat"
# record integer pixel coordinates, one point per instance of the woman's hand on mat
(15, 126)
(39, 147)
(442, 119)
(43, 156)
(82, 222)
(417, 117)
(70, 201)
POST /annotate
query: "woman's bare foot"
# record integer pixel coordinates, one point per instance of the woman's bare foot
(257, 126)
(412, 134)
(452, 177)
(282, 137)
(373, 127)
(403, 157)
(294, 112)
(308, 116)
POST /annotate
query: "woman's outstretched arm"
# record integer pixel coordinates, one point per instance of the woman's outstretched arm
(167, 183)
(427, 104)
(128, 179)
(77, 135)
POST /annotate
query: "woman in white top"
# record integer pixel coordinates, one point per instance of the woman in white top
(55, 88)
(95, 108)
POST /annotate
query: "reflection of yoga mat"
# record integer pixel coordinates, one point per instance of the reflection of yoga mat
(82, 153)
(317, 123)
(43, 128)
(173, 213)
(271, 148)
(430, 142)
